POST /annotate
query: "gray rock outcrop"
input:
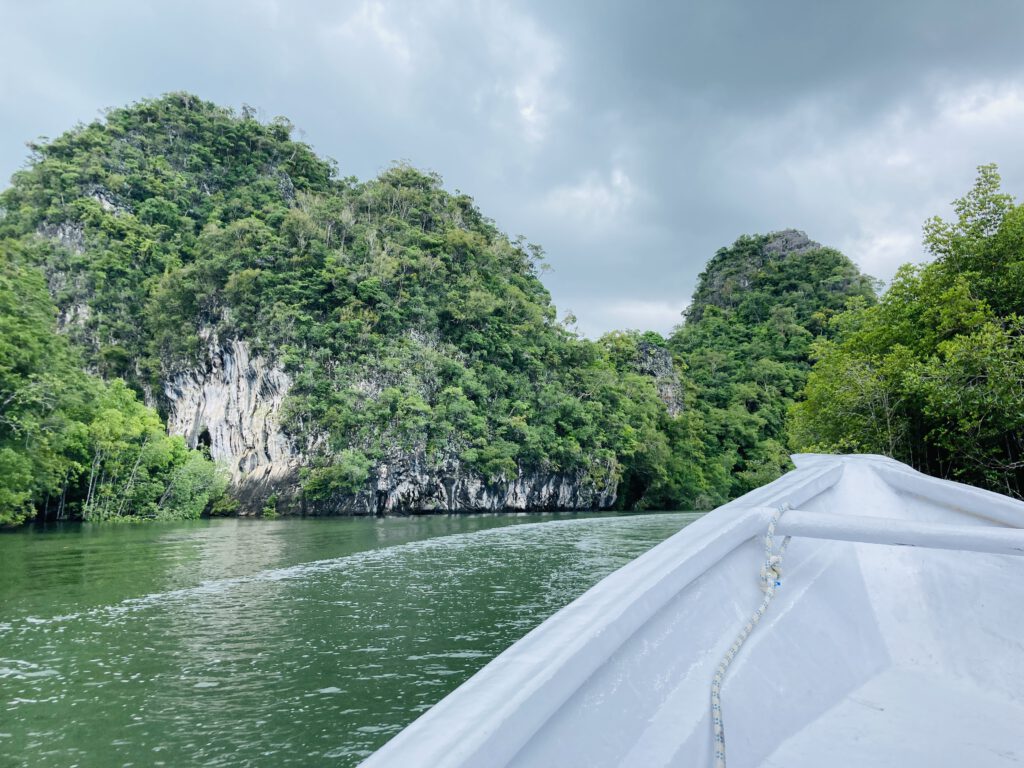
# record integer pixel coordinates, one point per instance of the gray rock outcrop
(656, 361)
(790, 241)
(231, 404)
(407, 484)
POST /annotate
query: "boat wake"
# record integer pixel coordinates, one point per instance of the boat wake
(515, 534)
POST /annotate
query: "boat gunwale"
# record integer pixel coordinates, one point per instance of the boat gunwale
(997, 540)
(994, 507)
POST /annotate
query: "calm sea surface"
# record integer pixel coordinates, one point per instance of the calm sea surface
(266, 643)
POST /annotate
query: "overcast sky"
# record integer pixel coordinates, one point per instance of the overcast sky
(630, 139)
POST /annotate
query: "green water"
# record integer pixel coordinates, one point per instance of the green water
(292, 642)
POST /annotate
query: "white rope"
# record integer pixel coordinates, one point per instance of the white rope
(771, 574)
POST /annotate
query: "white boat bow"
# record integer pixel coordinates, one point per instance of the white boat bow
(869, 655)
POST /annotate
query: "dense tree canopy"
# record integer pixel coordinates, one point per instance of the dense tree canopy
(933, 375)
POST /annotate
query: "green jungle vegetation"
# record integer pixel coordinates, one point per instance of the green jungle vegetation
(71, 442)
(406, 318)
(933, 374)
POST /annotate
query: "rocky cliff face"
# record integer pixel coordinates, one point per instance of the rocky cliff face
(231, 404)
(656, 362)
(789, 241)
(408, 484)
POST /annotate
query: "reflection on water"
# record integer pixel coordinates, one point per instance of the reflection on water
(293, 642)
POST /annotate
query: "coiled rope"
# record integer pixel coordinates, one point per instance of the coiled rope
(771, 574)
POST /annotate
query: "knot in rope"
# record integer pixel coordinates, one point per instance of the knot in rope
(771, 573)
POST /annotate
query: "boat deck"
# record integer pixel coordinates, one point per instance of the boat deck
(906, 717)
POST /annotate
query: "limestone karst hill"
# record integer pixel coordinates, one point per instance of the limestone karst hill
(374, 347)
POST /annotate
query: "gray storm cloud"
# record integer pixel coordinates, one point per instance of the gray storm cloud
(631, 140)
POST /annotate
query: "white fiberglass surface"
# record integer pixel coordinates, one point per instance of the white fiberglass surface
(923, 634)
(906, 717)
